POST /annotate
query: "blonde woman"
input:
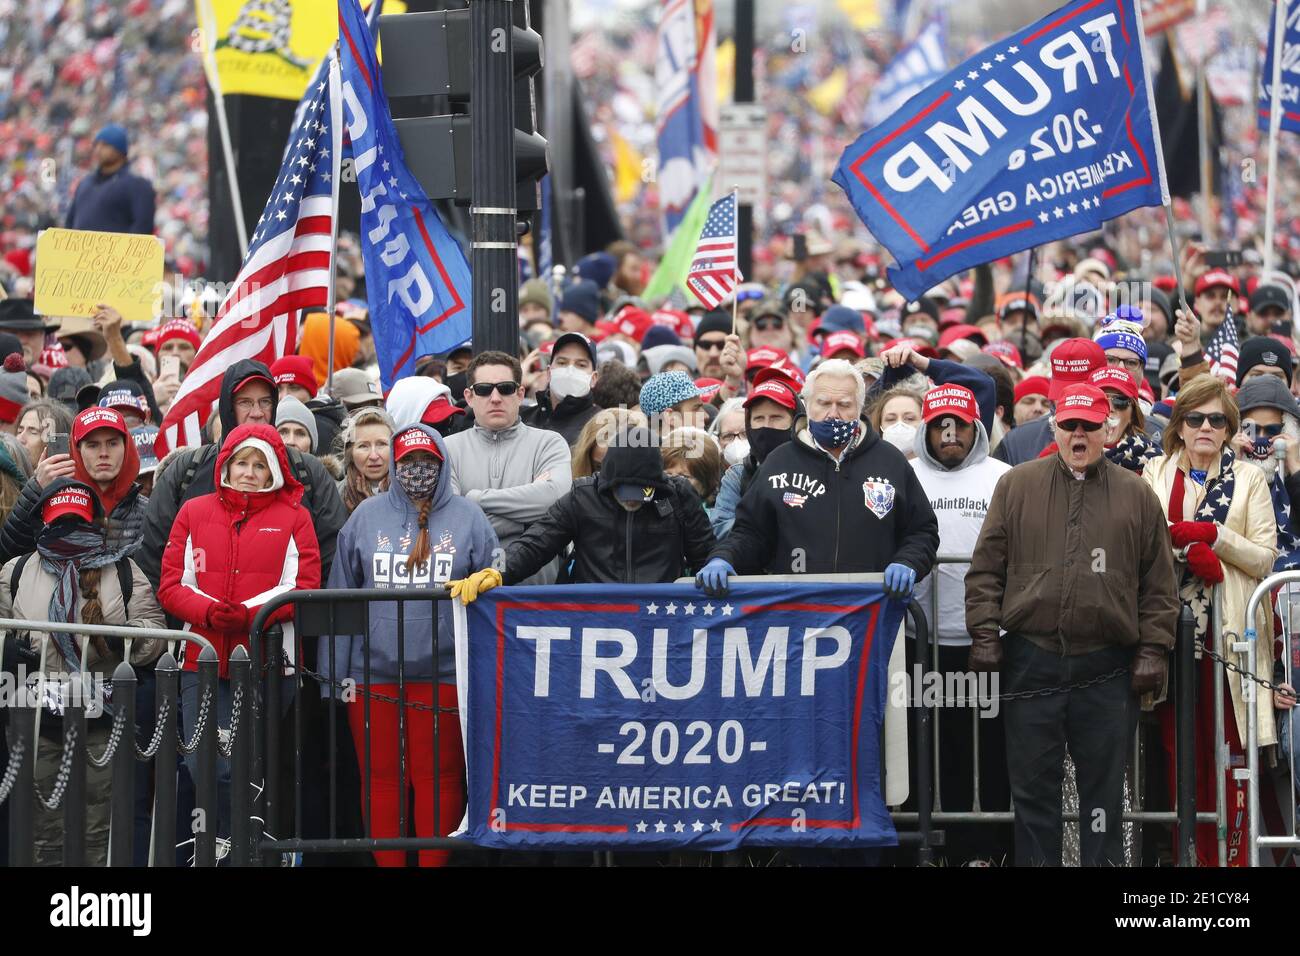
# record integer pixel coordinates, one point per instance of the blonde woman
(367, 438)
(1223, 530)
(589, 449)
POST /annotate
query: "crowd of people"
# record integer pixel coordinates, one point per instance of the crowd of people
(1084, 443)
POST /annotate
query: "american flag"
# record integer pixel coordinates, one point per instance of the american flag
(287, 267)
(714, 274)
(1222, 349)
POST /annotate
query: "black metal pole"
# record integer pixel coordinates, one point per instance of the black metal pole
(165, 768)
(492, 212)
(121, 845)
(21, 835)
(744, 93)
(241, 784)
(1185, 750)
(205, 787)
(924, 785)
(74, 796)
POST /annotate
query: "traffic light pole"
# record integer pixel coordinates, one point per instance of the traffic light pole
(494, 257)
(744, 93)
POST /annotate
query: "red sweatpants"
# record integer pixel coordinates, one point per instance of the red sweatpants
(380, 806)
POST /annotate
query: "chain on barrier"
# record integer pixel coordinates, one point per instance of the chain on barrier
(114, 738)
(151, 751)
(1232, 666)
(236, 707)
(65, 771)
(360, 691)
(16, 754)
(199, 725)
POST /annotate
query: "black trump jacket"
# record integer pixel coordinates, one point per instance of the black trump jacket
(807, 513)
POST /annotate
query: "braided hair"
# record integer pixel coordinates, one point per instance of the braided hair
(420, 553)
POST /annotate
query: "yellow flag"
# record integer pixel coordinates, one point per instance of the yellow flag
(627, 169)
(826, 95)
(726, 63)
(863, 14)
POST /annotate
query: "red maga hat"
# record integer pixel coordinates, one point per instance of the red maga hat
(1005, 352)
(1215, 277)
(842, 342)
(956, 400)
(774, 390)
(95, 418)
(73, 500)
(1082, 402)
(1072, 362)
(295, 370)
(1115, 379)
(411, 440)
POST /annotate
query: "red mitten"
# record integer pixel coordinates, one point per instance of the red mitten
(1204, 563)
(228, 618)
(1187, 532)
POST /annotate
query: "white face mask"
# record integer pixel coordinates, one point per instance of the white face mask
(901, 435)
(736, 452)
(569, 381)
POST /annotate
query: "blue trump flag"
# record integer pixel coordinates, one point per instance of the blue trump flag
(417, 279)
(645, 717)
(1290, 89)
(1043, 135)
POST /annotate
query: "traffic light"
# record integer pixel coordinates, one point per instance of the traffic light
(428, 55)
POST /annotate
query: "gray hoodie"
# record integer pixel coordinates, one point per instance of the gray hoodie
(371, 553)
(514, 474)
(960, 500)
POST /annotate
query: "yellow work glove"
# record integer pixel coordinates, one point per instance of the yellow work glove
(468, 589)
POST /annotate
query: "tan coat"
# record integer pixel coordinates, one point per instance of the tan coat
(1246, 547)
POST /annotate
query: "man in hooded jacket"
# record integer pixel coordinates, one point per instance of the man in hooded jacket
(102, 455)
(953, 465)
(248, 396)
(565, 405)
(771, 409)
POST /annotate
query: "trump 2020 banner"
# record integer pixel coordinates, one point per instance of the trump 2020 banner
(650, 717)
(1043, 135)
(1290, 86)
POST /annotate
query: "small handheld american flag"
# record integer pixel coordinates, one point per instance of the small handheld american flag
(714, 272)
(1222, 349)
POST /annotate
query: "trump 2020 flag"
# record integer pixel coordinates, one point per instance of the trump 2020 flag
(1043, 135)
(417, 278)
(1290, 87)
(649, 717)
(687, 121)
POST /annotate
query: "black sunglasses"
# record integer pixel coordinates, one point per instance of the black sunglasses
(1075, 423)
(708, 345)
(1197, 419)
(765, 323)
(1120, 403)
(1265, 431)
(484, 389)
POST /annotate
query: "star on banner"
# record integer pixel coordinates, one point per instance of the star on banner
(716, 825)
(1013, 49)
(689, 609)
(708, 610)
(1000, 57)
(960, 84)
(1043, 217)
(679, 826)
(641, 827)
(660, 827)
(1073, 207)
(972, 75)
(986, 66)
(727, 609)
(671, 608)
(697, 826)
(652, 609)
(1058, 212)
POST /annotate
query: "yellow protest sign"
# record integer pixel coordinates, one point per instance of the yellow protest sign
(77, 269)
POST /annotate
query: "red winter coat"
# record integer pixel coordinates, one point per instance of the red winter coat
(240, 548)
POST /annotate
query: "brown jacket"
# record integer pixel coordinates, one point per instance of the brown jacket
(1073, 566)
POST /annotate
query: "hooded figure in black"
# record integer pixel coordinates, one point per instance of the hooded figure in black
(190, 474)
(630, 524)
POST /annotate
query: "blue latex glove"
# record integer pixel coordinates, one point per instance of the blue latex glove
(712, 579)
(899, 581)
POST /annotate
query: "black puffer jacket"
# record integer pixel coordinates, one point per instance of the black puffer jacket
(658, 543)
(567, 418)
(807, 513)
(191, 475)
(330, 415)
(125, 525)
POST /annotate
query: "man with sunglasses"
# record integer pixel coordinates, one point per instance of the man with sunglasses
(1072, 579)
(710, 339)
(514, 472)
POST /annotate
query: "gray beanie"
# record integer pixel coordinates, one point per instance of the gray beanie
(660, 355)
(289, 409)
(1267, 391)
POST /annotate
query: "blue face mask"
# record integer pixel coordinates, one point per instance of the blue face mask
(833, 432)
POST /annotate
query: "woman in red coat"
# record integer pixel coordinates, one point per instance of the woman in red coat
(229, 553)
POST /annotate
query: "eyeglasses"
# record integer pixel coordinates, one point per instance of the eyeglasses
(248, 404)
(766, 323)
(1197, 419)
(1120, 403)
(484, 389)
(711, 345)
(727, 438)
(1133, 365)
(1264, 431)
(1076, 423)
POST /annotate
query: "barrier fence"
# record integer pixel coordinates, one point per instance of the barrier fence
(285, 778)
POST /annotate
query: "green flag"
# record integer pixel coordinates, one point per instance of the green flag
(676, 263)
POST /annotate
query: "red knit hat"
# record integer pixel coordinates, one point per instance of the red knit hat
(178, 329)
(295, 370)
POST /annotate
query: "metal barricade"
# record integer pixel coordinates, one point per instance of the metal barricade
(1248, 645)
(120, 755)
(1183, 813)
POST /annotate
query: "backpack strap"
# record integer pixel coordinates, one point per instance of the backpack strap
(191, 469)
(298, 462)
(17, 574)
(125, 583)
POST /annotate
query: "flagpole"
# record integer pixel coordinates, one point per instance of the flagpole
(223, 126)
(336, 115)
(1274, 126)
(1178, 270)
(735, 259)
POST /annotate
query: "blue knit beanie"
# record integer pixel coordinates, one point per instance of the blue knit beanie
(665, 390)
(114, 134)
